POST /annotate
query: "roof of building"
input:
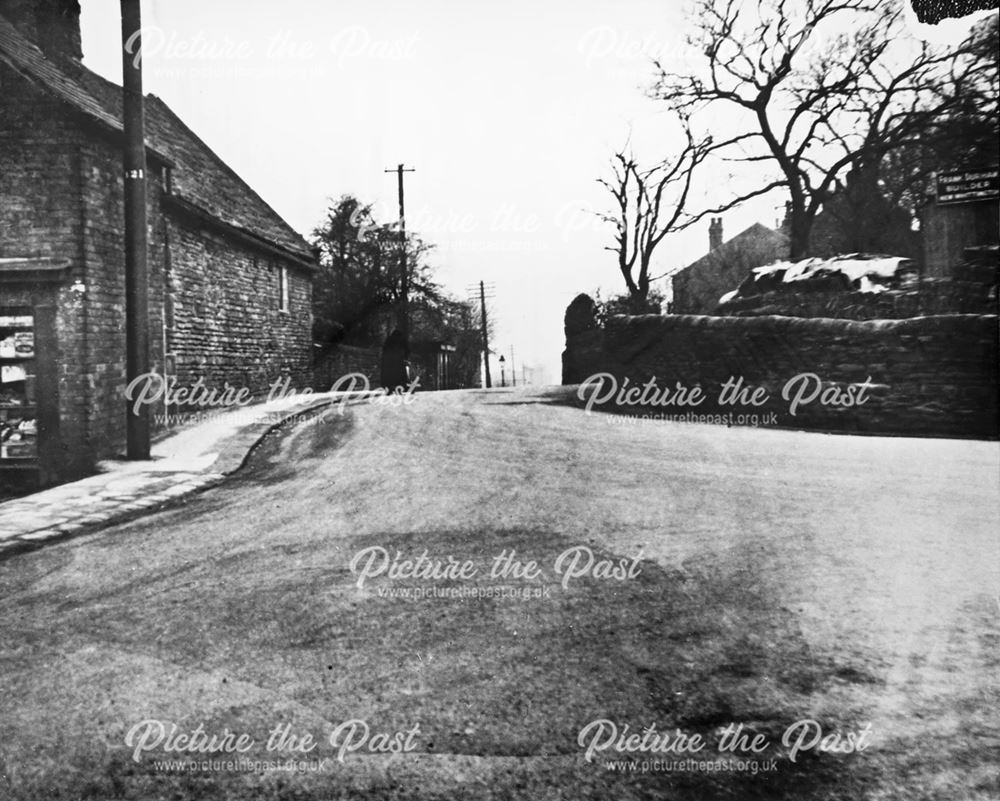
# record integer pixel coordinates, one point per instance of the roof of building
(752, 237)
(198, 177)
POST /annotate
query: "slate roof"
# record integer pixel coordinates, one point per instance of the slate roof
(198, 175)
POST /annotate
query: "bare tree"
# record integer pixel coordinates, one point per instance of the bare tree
(650, 203)
(820, 87)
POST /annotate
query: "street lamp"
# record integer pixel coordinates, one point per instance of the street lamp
(503, 361)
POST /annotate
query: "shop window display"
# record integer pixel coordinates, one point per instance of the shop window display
(18, 412)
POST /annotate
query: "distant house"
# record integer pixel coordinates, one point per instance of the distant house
(230, 281)
(698, 287)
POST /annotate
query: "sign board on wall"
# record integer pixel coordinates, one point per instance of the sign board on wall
(968, 186)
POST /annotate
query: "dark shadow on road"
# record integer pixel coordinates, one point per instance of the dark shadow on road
(275, 457)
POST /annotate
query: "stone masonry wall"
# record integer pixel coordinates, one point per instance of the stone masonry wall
(38, 218)
(61, 195)
(343, 360)
(948, 230)
(931, 296)
(103, 301)
(926, 376)
(226, 324)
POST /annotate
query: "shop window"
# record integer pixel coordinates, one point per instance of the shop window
(18, 412)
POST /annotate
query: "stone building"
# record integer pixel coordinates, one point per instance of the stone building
(230, 281)
(963, 212)
(698, 287)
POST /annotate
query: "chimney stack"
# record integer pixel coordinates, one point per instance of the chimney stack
(52, 25)
(714, 233)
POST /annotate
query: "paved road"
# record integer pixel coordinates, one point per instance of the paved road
(783, 576)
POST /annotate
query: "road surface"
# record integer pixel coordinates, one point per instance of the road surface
(796, 583)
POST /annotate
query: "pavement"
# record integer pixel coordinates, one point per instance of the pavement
(185, 461)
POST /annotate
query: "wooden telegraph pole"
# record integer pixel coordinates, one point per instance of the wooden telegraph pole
(404, 313)
(483, 291)
(136, 267)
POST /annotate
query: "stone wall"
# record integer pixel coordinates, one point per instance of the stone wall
(926, 376)
(214, 299)
(225, 322)
(948, 230)
(61, 197)
(340, 360)
(100, 330)
(34, 143)
(932, 296)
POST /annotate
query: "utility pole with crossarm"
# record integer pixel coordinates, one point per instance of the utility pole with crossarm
(484, 291)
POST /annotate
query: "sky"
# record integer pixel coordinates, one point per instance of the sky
(508, 113)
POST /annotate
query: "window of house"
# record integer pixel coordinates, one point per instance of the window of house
(283, 288)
